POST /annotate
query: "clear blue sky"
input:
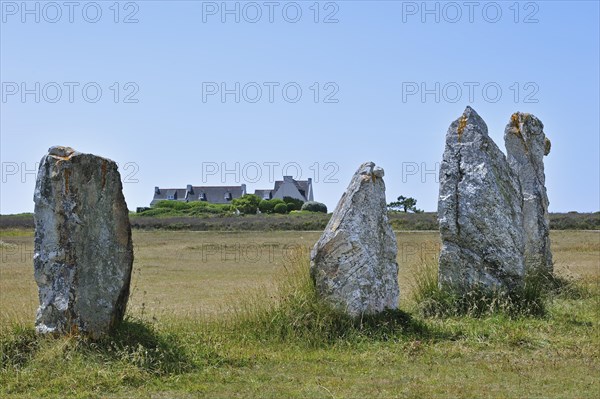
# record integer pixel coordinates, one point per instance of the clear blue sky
(544, 57)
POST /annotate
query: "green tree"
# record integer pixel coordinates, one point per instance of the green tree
(296, 204)
(314, 206)
(405, 204)
(267, 206)
(246, 204)
(280, 208)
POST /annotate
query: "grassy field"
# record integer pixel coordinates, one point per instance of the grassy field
(188, 332)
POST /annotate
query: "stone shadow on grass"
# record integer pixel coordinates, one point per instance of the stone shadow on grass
(138, 342)
(392, 323)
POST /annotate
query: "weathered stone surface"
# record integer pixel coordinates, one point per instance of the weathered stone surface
(479, 210)
(526, 145)
(83, 249)
(354, 264)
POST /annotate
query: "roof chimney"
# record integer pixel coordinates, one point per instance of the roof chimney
(189, 189)
(156, 190)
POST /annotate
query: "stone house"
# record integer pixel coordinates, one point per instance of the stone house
(212, 194)
(288, 187)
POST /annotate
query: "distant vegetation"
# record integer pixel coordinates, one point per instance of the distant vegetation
(314, 206)
(405, 204)
(195, 208)
(198, 215)
(575, 221)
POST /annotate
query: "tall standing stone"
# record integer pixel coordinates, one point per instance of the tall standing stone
(83, 252)
(479, 210)
(354, 264)
(526, 146)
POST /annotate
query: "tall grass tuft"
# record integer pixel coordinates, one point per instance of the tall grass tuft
(295, 313)
(134, 344)
(528, 299)
(18, 345)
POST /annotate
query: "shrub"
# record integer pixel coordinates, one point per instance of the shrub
(210, 209)
(280, 208)
(171, 204)
(179, 208)
(158, 212)
(314, 206)
(268, 206)
(246, 204)
(294, 204)
(290, 207)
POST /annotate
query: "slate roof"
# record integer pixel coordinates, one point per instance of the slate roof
(303, 186)
(264, 194)
(212, 194)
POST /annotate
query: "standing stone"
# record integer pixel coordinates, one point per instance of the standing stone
(479, 210)
(83, 250)
(354, 264)
(526, 145)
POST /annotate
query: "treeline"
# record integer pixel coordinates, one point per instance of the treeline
(295, 220)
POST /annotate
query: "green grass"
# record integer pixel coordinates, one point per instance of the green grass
(290, 344)
(295, 314)
(529, 299)
(274, 338)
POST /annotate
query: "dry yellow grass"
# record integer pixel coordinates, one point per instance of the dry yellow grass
(180, 276)
(187, 273)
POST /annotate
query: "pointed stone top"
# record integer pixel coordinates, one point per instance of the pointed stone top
(468, 111)
(470, 115)
(468, 122)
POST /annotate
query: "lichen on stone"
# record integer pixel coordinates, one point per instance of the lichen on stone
(83, 253)
(353, 265)
(547, 146)
(462, 124)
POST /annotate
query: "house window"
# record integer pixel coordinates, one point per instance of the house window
(202, 197)
(227, 196)
(170, 196)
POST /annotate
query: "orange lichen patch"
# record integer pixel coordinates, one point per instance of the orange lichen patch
(103, 173)
(57, 152)
(68, 157)
(462, 124)
(67, 173)
(516, 124)
(514, 120)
